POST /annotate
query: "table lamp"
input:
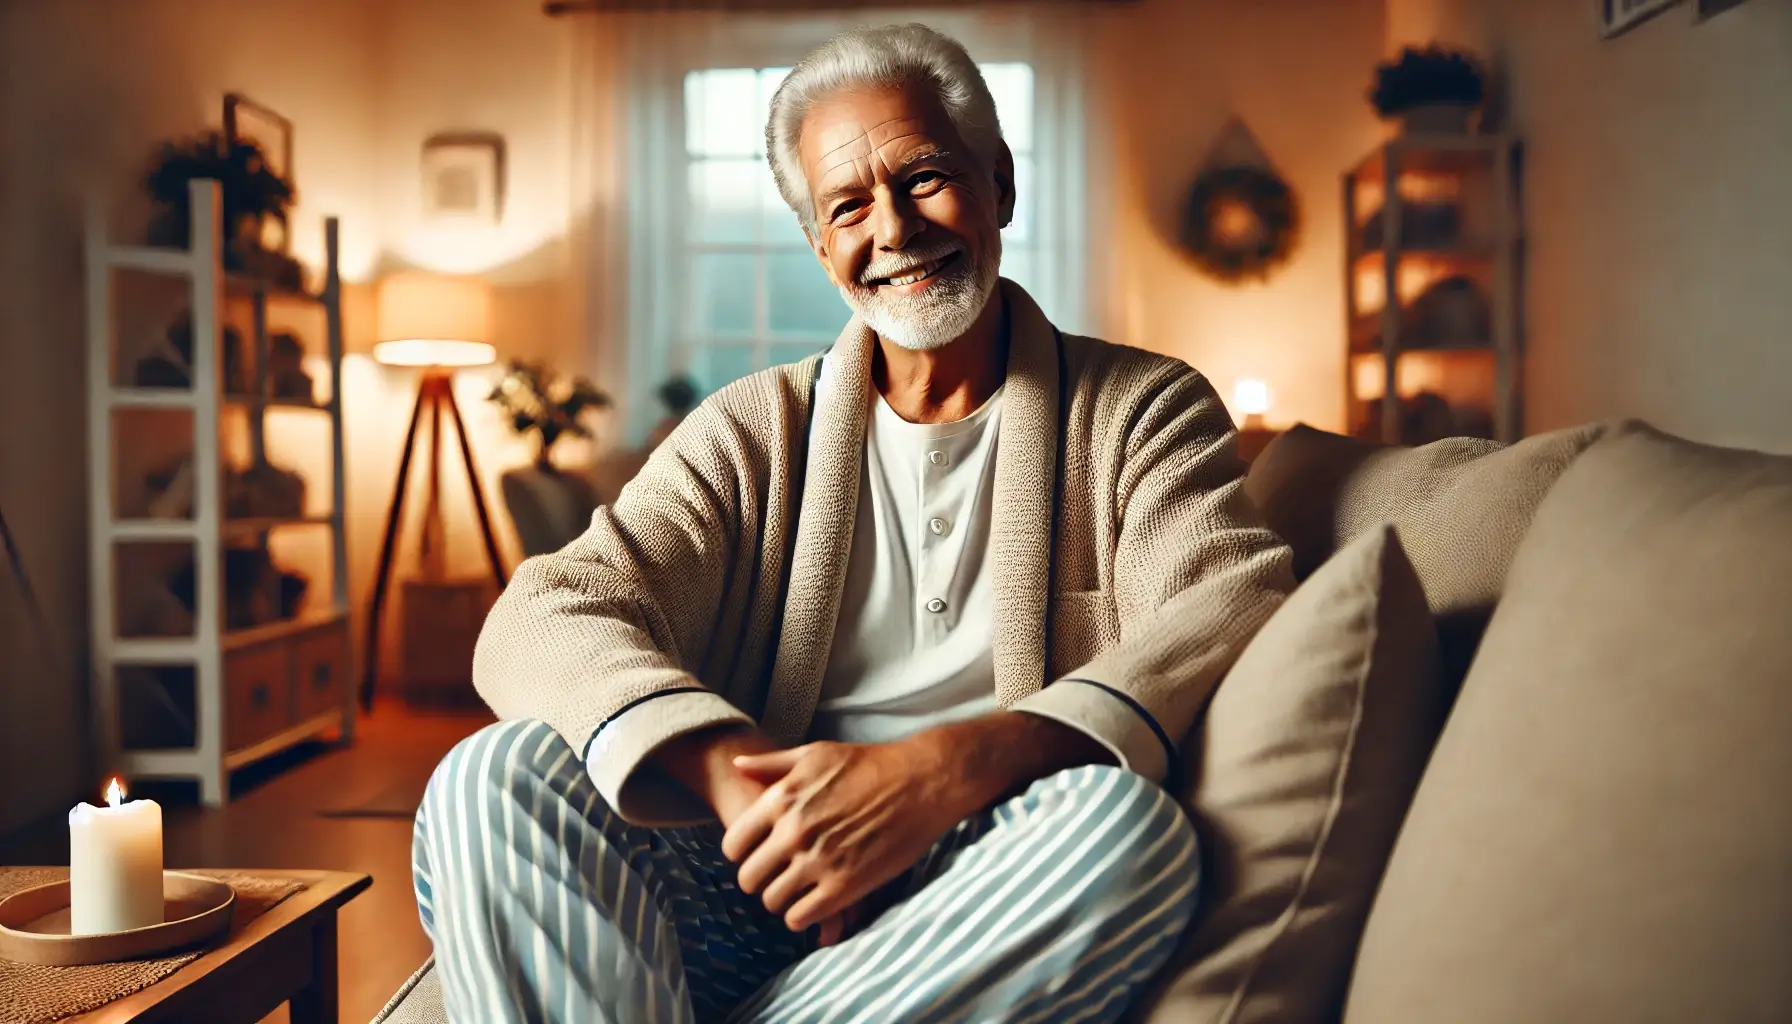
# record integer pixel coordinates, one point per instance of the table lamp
(439, 325)
(1250, 399)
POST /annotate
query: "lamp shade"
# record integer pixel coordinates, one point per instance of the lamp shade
(1250, 397)
(432, 320)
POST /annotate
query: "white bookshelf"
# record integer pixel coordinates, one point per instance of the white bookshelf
(254, 691)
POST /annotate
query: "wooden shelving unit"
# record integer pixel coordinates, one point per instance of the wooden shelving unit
(1420, 210)
(234, 695)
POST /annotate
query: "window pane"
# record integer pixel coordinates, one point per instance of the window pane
(1011, 84)
(722, 114)
(780, 223)
(722, 290)
(799, 296)
(781, 226)
(1020, 229)
(725, 200)
(793, 351)
(719, 365)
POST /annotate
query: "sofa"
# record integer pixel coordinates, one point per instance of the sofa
(1517, 749)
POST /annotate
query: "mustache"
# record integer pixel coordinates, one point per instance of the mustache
(893, 264)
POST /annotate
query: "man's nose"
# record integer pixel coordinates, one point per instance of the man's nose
(896, 221)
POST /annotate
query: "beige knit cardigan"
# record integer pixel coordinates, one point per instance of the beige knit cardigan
(1130, 568)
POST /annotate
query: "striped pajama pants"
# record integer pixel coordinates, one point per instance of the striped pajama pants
(1056, 905)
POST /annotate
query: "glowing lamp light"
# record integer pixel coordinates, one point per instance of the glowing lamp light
(434, 320)
(1250, 399)
(444, 352)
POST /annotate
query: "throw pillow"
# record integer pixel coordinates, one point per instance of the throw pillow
(1461, 505)
(1604, 833)
(1305, 760)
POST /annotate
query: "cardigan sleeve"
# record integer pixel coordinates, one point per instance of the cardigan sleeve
(1195, 574)
(599, 639)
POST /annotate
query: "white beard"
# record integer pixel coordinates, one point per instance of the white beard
(941, 313)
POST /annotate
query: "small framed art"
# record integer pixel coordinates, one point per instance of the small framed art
(463, 177)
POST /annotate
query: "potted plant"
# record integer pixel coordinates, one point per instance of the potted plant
(547, 405)
(1433, 89)
(251, 193)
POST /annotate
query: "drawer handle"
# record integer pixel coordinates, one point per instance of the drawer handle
(258, 696)
(320, 674)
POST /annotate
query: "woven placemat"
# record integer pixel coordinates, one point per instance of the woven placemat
(34, 994)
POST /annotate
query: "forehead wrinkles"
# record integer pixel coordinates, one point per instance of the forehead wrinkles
(882, 141)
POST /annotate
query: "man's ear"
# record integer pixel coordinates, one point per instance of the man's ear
(1004, 178)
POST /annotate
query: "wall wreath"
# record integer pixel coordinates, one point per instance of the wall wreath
(1241, 221)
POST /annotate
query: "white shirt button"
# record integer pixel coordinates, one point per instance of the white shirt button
(938, 527)
(937, 458)
(936, 606)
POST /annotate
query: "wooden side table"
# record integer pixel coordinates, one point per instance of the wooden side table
(287, 955)
(441, 619)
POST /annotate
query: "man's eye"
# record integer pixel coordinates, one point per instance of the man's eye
(845, 208)
(925, 178)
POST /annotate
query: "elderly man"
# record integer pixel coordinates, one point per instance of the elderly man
(854, 706)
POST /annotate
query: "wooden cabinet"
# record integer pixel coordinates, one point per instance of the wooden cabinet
(320, 672)
(442, 619)
(257, 694)
(286, 684)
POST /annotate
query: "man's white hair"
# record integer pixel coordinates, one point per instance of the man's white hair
(886, 56)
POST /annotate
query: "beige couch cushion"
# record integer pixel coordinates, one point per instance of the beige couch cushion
(1297, 482)
(1307, 757)
(1461, 504)
(1605, 829)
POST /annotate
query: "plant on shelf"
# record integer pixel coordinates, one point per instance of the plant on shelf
(548, 404)
(1431, 89)
(251, 191)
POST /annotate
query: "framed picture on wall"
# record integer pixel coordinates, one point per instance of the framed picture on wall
(463, 177)
(1617, 16)
(1711, 8)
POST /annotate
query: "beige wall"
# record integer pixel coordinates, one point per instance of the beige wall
(1295, 71)
(1657, 211)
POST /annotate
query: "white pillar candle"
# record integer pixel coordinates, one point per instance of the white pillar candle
(114, 865)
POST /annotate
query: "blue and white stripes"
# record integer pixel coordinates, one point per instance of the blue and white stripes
(544, 906)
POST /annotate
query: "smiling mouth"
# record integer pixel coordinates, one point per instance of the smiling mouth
(917, 274)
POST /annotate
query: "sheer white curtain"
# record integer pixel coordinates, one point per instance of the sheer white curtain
(651, 274)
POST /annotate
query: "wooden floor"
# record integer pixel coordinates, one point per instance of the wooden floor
(272, 821)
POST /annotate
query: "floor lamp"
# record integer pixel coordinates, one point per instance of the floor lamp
(436, 324)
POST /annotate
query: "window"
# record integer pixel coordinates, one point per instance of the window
(755, 296)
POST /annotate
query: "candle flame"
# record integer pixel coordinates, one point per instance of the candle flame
(114, 793)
